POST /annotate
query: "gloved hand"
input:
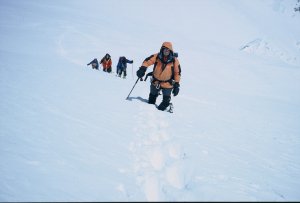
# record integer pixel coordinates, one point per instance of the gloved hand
(176, 89)
(141, 72)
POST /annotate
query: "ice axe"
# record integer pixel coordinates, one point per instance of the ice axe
(141, 79)
(134, 86)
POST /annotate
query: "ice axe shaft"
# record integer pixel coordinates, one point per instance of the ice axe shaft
(134, 86)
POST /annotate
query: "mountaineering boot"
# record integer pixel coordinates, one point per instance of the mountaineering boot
(152, 98)
(165, 103)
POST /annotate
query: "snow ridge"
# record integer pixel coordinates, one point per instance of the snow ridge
(262, 47)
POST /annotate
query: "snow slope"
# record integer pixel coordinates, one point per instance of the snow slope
(68, 134)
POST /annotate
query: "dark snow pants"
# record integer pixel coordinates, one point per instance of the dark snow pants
(166, 92)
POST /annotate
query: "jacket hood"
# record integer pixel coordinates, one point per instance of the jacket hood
(168, 45)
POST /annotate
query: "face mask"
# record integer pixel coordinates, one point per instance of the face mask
(166, 52)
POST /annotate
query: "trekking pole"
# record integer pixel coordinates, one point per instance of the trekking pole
(134, 86)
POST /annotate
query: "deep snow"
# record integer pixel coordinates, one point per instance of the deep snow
(68, 134)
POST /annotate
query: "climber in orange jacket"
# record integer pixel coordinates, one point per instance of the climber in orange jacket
(166, 75)
(106, 63)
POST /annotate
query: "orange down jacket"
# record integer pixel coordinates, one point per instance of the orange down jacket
(106, 63)
(163, 73)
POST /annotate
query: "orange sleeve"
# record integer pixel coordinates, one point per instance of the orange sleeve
(177, 71)
(149, 61)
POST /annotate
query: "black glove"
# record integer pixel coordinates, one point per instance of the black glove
(141, 72)
(176, 89)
